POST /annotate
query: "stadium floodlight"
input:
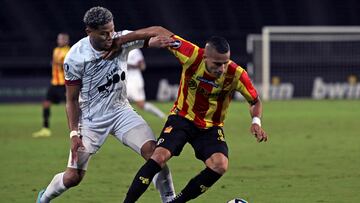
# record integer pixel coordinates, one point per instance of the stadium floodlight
(306, 45)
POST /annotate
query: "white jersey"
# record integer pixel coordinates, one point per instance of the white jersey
(135, 56)
(135, 81)
(103, 82)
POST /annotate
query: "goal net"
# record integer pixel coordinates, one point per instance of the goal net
(306, 62)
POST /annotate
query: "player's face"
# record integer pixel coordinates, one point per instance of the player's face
(102, 37)
(215, 62)
(62, 40)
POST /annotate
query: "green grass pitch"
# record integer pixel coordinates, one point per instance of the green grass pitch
(313, 155)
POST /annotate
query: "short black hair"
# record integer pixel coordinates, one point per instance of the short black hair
(220, 44)
(97, 16)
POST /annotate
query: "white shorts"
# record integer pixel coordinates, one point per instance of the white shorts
(135, 85)
(126, 125)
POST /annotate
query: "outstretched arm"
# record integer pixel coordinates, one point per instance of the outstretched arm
(161, 41)
(147, 33)
(256, 130)
(141, 34)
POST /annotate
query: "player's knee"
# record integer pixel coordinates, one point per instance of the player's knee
(161, 156)
(218, 163)
(73, 177)
(147, 149)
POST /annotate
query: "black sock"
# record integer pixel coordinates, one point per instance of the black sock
(142, 180)
(198, 185)
(46, 115)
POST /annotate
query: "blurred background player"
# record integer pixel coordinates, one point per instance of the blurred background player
(135, 83)
(56, 91)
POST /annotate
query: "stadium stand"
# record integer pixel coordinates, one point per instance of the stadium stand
(28, 31)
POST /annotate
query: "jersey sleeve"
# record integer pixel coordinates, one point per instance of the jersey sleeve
(246, 88)
(73, 71)
(183, 50)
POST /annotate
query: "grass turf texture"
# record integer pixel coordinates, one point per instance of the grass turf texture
(312, 156)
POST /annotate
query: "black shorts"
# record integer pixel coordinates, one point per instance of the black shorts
(205, 142)
(56, 94)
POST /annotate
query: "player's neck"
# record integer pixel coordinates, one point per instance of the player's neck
(94, 46)
(208, 72)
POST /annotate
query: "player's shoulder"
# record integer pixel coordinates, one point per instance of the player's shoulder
(235, 69)
(234, 66)
(66, 48)
(180, 41)
(79, 52)
(62, 50)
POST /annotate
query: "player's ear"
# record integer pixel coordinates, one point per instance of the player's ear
(205, 56)
(88, 30)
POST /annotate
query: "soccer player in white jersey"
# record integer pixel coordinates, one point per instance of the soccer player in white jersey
(135, 83)
(96, 102)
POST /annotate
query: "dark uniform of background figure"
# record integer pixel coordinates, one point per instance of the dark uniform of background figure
(56, 91)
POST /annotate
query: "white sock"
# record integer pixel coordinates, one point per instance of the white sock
(164, 183)
(154, 110)
(54, 189)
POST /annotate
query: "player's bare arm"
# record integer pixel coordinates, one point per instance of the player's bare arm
(256, 130)
(160, 41)
(141, 34)
(146, 33)
(72, 111)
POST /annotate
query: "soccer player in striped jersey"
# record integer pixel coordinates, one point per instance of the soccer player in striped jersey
(56, 91)
(208, 81)
(96, 102)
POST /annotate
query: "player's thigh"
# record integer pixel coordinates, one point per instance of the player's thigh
(131, 129)
(51, 94)
(208, 142)
(175, 134)
(136, 137)
(93, 134)
(61, 93)
(82, 162)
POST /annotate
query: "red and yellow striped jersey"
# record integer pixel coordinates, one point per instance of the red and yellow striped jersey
(58, 57)
(203, 98)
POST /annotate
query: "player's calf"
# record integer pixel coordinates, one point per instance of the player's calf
(73, 177)
(197, 186)
(142, 181)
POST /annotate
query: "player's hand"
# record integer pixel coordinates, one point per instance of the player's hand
(115, 49)
(161, 41)
(76, 143)
(258, 132)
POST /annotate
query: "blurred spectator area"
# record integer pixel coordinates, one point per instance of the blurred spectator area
(28, 28)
